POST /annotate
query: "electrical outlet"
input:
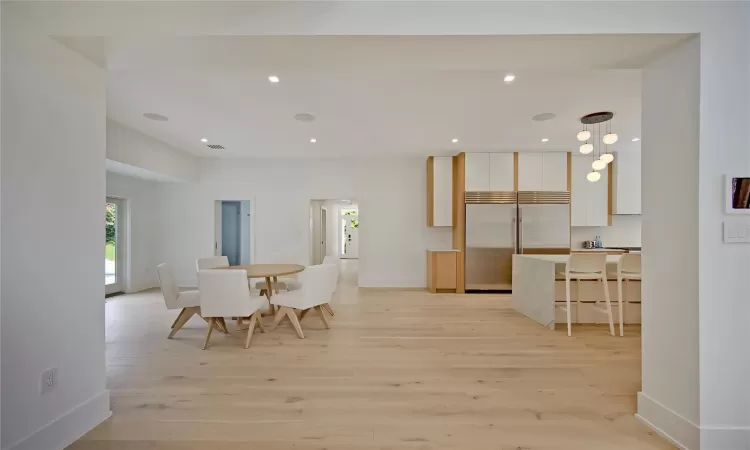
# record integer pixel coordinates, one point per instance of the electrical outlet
(49, 380)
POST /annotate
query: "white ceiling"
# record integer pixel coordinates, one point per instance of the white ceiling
(373, 95)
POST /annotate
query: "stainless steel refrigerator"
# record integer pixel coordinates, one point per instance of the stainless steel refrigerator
(501, 224)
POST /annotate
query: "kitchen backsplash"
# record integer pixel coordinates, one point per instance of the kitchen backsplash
(624, 232)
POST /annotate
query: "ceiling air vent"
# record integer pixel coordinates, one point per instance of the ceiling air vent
(216, 147)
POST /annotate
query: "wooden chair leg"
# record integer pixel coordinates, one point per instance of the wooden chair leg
(322, 315)
(223, 325)
(184, 317)
(260, 321)
(304, 313)
(250, 329)
(328, 308)
(275, 285)
(278, 317)
(177, 319)
(295, 322)
(262, 292)
(208, 334)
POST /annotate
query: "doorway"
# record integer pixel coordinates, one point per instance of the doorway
(349, 233)
(232, 230)
(114, 245)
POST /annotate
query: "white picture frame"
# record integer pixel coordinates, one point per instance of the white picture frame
(728, 191)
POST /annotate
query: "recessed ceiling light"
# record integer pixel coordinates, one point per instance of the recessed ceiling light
(313, 140)
(454, 140)
(204, 140)
(304, 117)
(273, 79)
(509, 78)
(156, 117)
(636, 139)
(545, 140)
(543, 117)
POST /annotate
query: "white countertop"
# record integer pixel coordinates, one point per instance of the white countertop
(562, 259)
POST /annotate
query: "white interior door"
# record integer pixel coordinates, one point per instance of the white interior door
(114, 249)
(350, 236)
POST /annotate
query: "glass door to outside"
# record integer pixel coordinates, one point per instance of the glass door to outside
(113, 273)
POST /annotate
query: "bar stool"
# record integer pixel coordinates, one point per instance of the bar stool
(628, 268)
(582, 266)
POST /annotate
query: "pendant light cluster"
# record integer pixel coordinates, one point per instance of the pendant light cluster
(600, 158)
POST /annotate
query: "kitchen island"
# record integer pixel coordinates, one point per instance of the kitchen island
(535, 289)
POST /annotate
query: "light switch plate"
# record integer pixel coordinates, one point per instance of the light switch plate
(737, 230)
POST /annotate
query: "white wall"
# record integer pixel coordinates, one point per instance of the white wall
(52, 240)
(722, 286)
(128, 146)
(316, 228)
(625, 231)
(142, 228)
(245, 232)
(332, 228)
(393, 234)
(670, 387)
(723, 269)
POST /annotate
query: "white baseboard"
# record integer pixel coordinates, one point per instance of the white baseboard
(725, 438)
(670, 425)
(69, 427)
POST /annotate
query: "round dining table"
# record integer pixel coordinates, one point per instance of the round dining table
(271, 272)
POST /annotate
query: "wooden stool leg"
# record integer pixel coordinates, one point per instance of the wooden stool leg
(619, 303)
(567, 302)
(609, 305)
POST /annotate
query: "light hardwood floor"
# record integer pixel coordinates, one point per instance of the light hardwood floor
(397, 370)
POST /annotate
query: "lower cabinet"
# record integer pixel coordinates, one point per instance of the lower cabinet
(441, 270)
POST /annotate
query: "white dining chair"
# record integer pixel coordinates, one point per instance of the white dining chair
(215, 262)
(628, 268)
(583, 266)
(225, 293)
(314, 292)
(332, 261)
(188, 302)
(211, 262)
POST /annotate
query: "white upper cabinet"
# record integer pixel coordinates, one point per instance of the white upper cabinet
(627, 183)
(501, 172)
(489, 172)
(440, 182)
(477, 172)
(543, 171)
(530, 171)
(589, 202)
(555, 171)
